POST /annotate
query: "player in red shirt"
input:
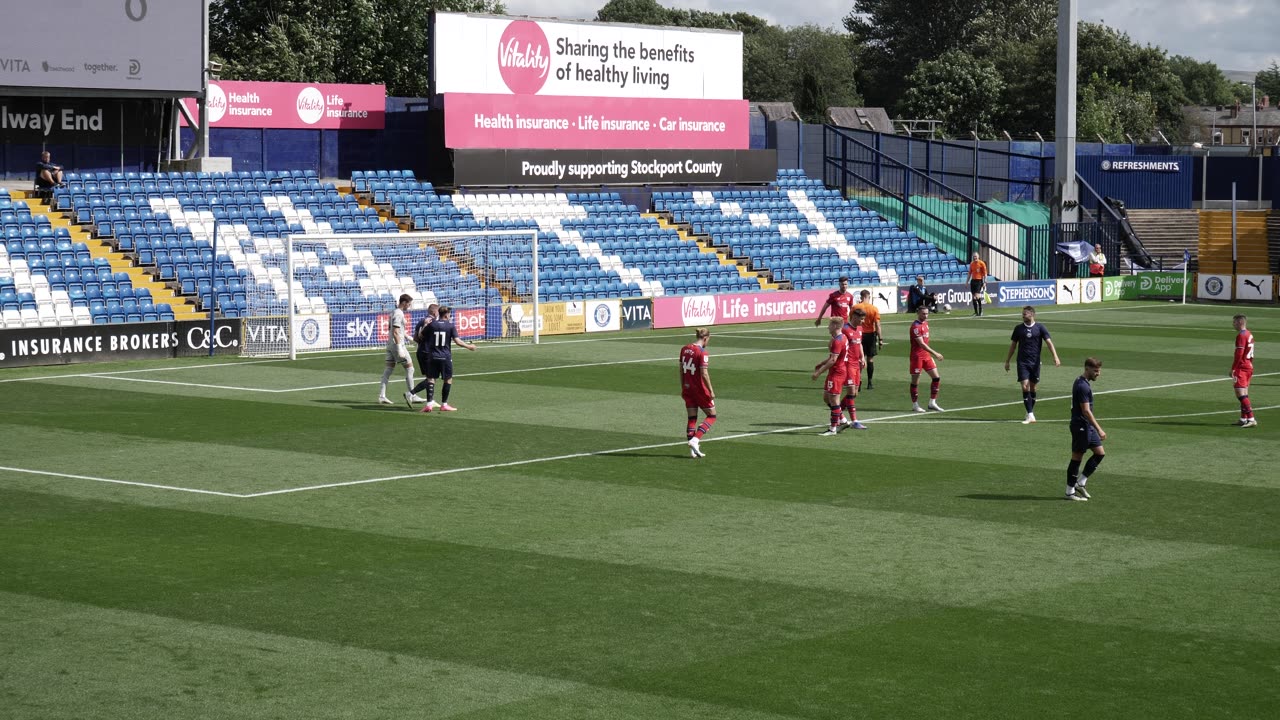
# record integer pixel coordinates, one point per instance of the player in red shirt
(857, 360)
(922, 360)
(1242, 369)
(839, 301)
(835, 366)
(695, 388)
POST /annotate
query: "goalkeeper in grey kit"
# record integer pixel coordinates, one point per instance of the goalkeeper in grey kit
(397, 353)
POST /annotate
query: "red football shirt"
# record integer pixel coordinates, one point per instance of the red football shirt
(1244, 351)
(839, 347)
(693, 360)
(853, 336)
(840, 303)
(919, 334)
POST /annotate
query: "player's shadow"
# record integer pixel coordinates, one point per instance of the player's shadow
(992, 496)
(366, 407)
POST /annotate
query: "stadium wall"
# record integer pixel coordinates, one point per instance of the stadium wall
(1141, 181)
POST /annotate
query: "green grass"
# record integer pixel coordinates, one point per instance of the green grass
(591, 569)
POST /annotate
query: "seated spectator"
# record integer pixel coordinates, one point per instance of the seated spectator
(919, 295)
(1097, 262)
(48, 174)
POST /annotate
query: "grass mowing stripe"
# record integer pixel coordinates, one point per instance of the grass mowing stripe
(28, 471)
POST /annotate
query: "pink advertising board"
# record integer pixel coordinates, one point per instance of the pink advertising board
(301, 106)
(705, 310)
(594, 123)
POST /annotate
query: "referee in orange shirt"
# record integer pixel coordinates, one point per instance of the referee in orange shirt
(977, 283)
(872, 340)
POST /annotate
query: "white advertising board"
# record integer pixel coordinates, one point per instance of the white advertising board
(486, 54)
(132, 45)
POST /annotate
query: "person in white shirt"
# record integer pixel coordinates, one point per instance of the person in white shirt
(397, 353)
(1097, 262)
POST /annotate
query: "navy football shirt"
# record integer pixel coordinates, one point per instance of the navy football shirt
(1029, 339)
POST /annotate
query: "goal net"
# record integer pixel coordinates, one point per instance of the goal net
(315, 292)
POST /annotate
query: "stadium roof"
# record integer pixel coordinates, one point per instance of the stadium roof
(861, 118)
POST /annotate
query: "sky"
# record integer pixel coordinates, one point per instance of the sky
(1231, 33)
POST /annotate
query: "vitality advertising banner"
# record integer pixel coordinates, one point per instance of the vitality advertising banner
(1091, 290)
(102, 343)
(1159, 285)
(473, 168)
(1068, 291)
(312, 332)
(299, 106)
(75, 121)
(576, 123)
(1255, 288)
(604, 315)
(1119, 288)
(1016, 293)
(1213, 287)
(554, 318)
(700, 310)
(500, 55)
(135, 45)
(637, 314)
(193, 337)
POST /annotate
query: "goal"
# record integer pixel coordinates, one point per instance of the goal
(314, 292)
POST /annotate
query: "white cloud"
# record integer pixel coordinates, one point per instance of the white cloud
(1235, 34)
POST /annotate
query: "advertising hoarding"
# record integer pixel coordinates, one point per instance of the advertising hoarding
(707, 310)
(127, 45)
(604, 315)
(1255, 288)
(1016, 293)
(612, 167)
(1158, 285)
(583, 123)
(1213, 287)
(127, 341)
(500, 55)
(1119, 288)
(637, 314)
(554, 318)
(1091, 290)
(299, 106)
(1069, 292)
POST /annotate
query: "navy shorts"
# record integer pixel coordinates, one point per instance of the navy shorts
(1029, 371)
(1083, 437)
(438, 368)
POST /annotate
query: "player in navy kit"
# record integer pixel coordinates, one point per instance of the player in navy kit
(1086, 433)
(440, 335)
(1027, 338)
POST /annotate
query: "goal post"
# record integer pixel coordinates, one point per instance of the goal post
(316, 292)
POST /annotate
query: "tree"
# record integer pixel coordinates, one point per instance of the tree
(1202, 82)
(1268, 82)
(639, 12)
(899, 34)
(958, 89)
(1112, 112)
(346, 41)
(823, 71)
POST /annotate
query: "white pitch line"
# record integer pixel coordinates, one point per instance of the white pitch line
(187, 384)
(120, 482)
(935, 419)
(532, 461)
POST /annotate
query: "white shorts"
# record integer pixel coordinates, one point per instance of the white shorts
(398, 354)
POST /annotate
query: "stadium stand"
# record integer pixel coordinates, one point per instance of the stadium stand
(806, 235)
(591, 245)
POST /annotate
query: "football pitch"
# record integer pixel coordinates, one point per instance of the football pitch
(261, 539)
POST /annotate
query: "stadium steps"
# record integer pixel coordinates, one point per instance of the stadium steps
(1251, 242)
(1273, 239)
(1167, 233)
(183, 309)
(665, 222)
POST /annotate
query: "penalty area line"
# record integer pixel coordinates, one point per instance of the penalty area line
(46, 473)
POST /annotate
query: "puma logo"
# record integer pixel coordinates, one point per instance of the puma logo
(1254, 285)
